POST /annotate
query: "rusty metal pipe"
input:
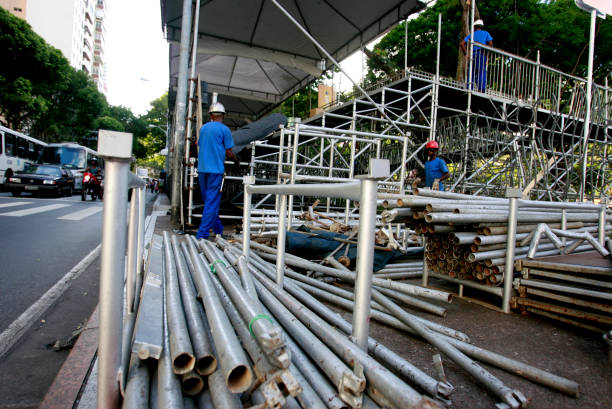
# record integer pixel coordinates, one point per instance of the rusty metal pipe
(206, 363)
(181, 351)
(235, 368)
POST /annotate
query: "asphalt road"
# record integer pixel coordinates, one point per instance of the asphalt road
(41, 240)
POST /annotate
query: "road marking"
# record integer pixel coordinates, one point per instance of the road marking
(13, 204)
(34, 210)
(81, 214)
(11, 335)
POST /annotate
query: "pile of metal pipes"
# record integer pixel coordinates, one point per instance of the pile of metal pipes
(213, 330)
(390, 301)
(572, 293)
(467, 236)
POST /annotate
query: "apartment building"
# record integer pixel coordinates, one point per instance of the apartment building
(76, 27)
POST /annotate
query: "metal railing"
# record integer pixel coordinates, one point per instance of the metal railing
(116, 327)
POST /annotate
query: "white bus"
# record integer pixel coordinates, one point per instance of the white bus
(16, 151)
(72, 156)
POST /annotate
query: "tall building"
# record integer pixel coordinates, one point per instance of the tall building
(98, 72)
(76, 27)
(16, 7)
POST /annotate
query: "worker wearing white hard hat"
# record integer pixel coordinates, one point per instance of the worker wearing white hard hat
(214, 143)
(479, 60)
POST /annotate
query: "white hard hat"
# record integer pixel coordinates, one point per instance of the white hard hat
(479, 22)
(216, 108)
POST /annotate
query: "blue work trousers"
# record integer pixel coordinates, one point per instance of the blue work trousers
(210, 186)
(479, 70)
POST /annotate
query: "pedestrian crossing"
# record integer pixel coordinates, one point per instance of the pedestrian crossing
(72, 212)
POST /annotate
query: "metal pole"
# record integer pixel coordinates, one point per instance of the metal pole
(601, 228)
(513, 195)
(405, 46)
(587, 115)
(365, 262)
(132, 251)
(178, 140)
(246, 219)
(280, 241)
(116, 148)
(294, 160)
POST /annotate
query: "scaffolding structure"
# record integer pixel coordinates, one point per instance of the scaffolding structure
(524, 131)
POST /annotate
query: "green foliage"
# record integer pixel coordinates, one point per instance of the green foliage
(557, 28)
(155, 139)
(300, 104)
(110, 123)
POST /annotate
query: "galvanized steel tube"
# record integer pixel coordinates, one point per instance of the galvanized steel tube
(365, 262)
(235, 368)
(513, 398)
(206, 363)
(399, 364)
(222, 397)
(268, 335)
(350, 385)
(168, 385)
(181, 351)
(385, 382)
(132, 252)
(280, 241)
(137, 388)
(112, 263)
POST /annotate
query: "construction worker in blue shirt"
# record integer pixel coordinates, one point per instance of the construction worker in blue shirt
(215, 143)
(435, 168)
(479, 62)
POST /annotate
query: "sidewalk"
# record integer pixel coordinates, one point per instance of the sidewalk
(75, 383)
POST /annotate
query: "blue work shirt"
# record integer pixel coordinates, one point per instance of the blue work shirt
(214, 139)
(434, 169)
(480, 36)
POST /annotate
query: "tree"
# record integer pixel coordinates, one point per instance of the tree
(157, 116)
(300, 103)
(557, 28)
(110, 123)
(155, 139)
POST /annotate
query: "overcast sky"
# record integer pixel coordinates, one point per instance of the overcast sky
(136, 54)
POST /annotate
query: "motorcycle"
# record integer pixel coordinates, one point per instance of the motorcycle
(92, 185)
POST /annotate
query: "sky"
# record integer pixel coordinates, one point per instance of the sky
(136, 54)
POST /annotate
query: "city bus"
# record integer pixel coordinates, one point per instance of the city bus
(16, 151)
(72, 156)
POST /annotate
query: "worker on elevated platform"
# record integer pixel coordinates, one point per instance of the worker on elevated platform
(435, 168)
(479, 60)
(215, 143)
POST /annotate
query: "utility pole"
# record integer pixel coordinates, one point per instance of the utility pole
(178, 137)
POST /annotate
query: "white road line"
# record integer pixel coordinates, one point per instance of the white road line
(18, 327)
(81, 214)
(34, 210)
(13, 204)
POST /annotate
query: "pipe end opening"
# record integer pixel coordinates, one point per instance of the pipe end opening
(239, 379)
(206, 365)
(183, 363)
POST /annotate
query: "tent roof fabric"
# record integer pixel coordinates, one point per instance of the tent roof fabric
(250, 52)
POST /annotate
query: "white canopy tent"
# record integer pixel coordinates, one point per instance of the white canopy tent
(255, 57)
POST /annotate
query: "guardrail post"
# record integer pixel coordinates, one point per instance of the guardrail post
(379, 169)
(116, 149)
(513, 195)
(601, 228)
(281, 240)
(246, 217)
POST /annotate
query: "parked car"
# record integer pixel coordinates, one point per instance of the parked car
(51, 179)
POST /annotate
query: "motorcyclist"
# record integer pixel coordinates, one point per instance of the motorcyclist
(96, 171)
